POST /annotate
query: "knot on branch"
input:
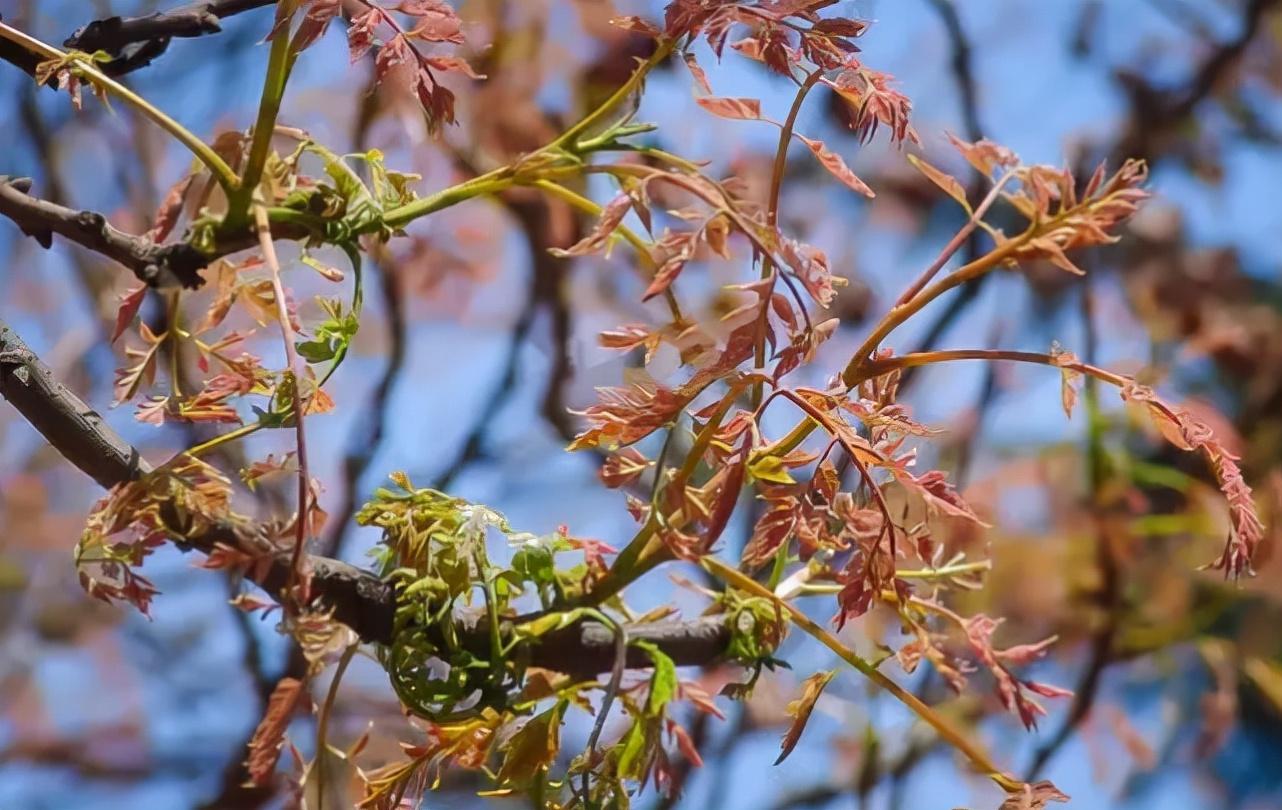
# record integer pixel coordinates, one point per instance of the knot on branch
(156, 265)
(134, 42)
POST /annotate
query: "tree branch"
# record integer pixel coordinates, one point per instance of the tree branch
(358, 598)
(155, 265)
(134, 42)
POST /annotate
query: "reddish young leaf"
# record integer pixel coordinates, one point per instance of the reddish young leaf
(684, 744)
(170, 209)
(700, 78)
(612, 215)
(130, 302)
(727, 495)
(945, 181)
(152, 411)
(360, 33)
(142, 370)
(810, 265)
(633, 23)
(452, 64)
(627, 415)
(736, 108)
(773, 529)
(265, 745)
(436, 21)
(836, 166)
(623, 467)
(315, 22)
(801, 709)
(938, 493)
(985, 155)
(1033, 796)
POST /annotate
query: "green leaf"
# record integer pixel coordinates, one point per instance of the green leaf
(631, 756)
(769, 468)
(535, 565)
(663, 684)
(549, 622)
(533, 747)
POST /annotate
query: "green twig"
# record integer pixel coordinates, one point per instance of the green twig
(279, 63)
(223, 173)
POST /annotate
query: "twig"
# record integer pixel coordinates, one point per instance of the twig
(71, 426)
(611, 691)
(84, 68)
(368, 435)
(295, 370)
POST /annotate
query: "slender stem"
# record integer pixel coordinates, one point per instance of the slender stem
(633, 84)
(611, 691)
(785, 140)
(278, 66)
(295, 371)
(947, 571)
(589, 207)
(216, 165)
(503, 177)
(943, 572)
(224, 438)
(772, 218)
(173, 308)
(488, 183)
(955, 243)
(492, 616)
(972, 751)
(322, 722)
(667, 157)
(879, 367)
(851, 376)
(641, 247)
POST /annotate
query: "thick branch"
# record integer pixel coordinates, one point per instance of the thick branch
(156, 265)
(71, 426)
(358, 598)
(134, 42)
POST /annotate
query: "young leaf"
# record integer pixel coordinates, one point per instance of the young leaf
(533, 747)
(801, 708)
(700, 78)
(945, 181)
(748, 109)
(836, 166)
(264, 747)
(611, 217)
(130, 302)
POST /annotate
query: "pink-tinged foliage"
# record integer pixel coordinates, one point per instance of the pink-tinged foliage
(130, 303)
(1011, 690)
(269, 737)
(1033, 796)
(736, 108)
(836, 166)
(1186, 432)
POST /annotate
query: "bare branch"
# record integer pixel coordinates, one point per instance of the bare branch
(156, 265)
(71, 426)
(134, 42)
